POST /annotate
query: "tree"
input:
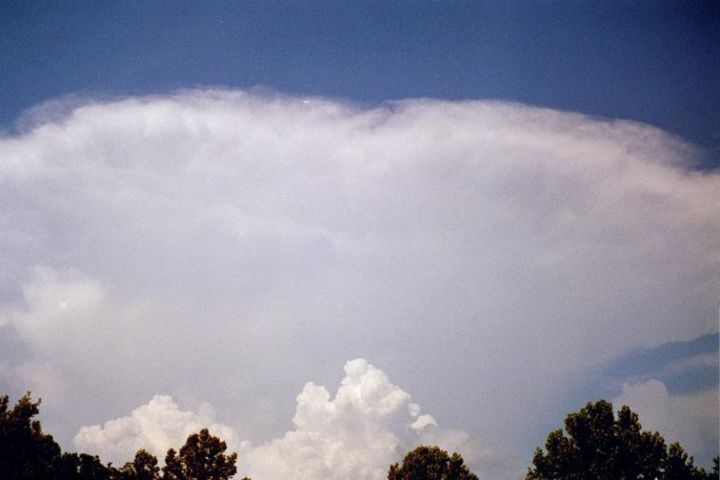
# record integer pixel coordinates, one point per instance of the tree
(597, 446)
(431, 463)
(81, 466)
(25, 451)
(143, 467)
(201, 458)
(680, 466)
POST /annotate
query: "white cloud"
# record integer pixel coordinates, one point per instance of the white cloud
(157, 426)
(422, 422)
(348, 436)
(222, 246)
(357, 433)
(691, 419)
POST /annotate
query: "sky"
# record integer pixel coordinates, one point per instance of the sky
(333, 231)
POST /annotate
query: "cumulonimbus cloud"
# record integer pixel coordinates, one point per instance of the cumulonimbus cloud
(224, 246)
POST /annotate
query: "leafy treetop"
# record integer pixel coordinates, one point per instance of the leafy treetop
(431, 463)
(596, 445)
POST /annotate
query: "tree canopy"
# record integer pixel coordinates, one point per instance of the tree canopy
(25, 451)
(596, 445)
(143, 467)
(201, 458)
(431, 463)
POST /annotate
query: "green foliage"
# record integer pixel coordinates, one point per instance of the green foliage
(597, 446)
(143, 467)
(201, 458)
(431, 463)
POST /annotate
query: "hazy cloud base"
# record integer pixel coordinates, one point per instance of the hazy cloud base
(224, 247)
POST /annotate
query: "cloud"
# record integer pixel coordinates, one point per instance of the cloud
(368, 424)
(157, 426)
(348, 436)
(689, 419)
(650, 360)
(55, 302)
(223, 246)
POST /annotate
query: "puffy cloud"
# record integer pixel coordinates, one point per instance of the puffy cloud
(353, 435)
(221, 246)
(690, 419)
(156, 427)
(368, 424)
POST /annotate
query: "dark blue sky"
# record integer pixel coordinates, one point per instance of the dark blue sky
(656, 62)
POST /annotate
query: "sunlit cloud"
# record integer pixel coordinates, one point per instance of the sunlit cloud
(356, 433)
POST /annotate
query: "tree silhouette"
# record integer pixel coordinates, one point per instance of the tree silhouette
(201, 458)
(597, 446)
(431, 463)
(143, 467)
(81, 466)
(680, 466)
(25, 451)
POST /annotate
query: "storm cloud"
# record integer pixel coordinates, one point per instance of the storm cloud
(226, 247)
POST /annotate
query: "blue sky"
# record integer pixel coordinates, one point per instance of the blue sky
(205, 205)
(651, 62)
